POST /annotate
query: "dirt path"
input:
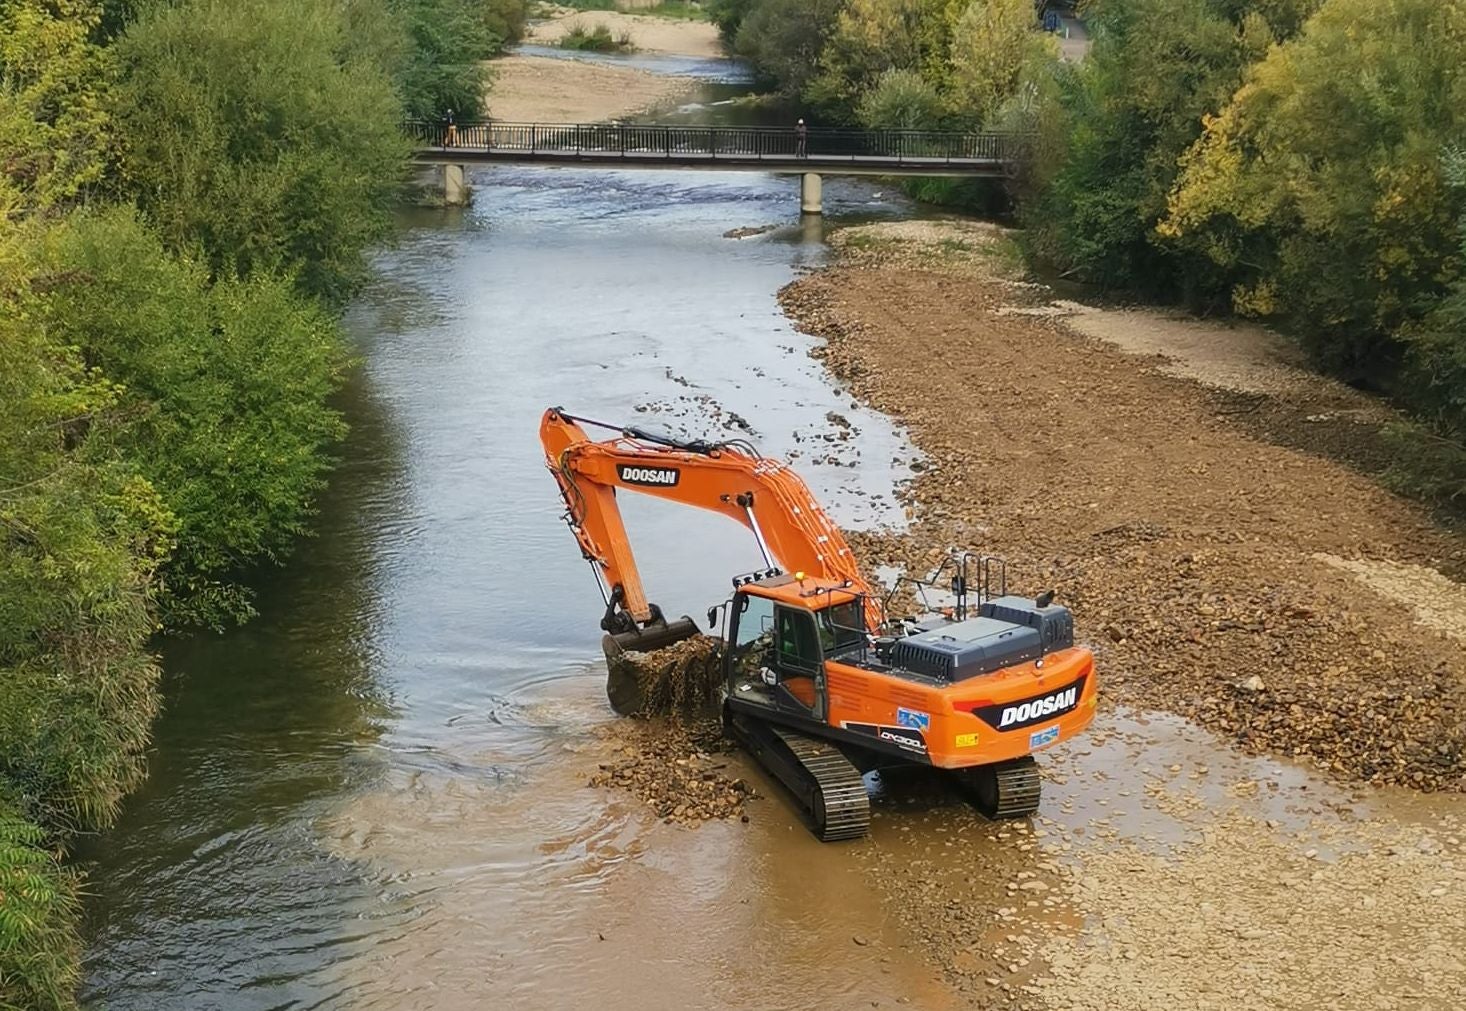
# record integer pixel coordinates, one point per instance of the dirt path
(1151, 470)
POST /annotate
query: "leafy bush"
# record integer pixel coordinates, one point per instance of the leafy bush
(39, 947)
(1319, 188)
(596, 40)
(900, 100)
(229, 384)
(783, 39)
(448, 40)
(995, 53)
(1131, 109)
(250, 136)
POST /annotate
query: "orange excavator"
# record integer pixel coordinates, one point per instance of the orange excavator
(817, 682)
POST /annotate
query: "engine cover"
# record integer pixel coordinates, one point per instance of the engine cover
(1008, 631)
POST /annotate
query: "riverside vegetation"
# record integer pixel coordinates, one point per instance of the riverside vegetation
(1298, 161)
(188, 191)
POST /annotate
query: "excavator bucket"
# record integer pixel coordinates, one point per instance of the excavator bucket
(628, 675)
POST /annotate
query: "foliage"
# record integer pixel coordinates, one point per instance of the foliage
(995, 54)
(886, 62)
(900, 100)
(596, 40)
(871, 37)
(505, 21)
(1433, 379)
(53, 118)
(728, 15)
(1319, 188)
(249, 135)
(448, 42)
(80, 539)
(1129, 112)
(783, 39)
(39, 947)
(228, 384)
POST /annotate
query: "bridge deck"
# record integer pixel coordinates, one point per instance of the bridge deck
(748, 149)
(814, 162)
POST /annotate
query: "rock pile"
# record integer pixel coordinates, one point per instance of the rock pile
(679, 768)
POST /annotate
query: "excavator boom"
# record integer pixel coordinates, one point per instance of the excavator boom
(764, 495)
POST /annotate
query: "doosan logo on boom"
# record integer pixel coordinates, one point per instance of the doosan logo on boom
(662, 477)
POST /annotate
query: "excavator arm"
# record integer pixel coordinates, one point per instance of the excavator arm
(765, 495)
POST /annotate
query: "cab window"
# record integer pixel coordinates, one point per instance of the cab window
(797, 641)
(842, 626)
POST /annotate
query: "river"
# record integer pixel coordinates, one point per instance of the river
(374, 794)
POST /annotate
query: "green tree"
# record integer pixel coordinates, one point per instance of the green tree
(39, 947)
(901, 100)
(53, 87)
(1129, 112)
(783, 39)
(871, 37)
(997, 49)
(1320, 187)
(444, 69)
(251, 134)
(229, 384)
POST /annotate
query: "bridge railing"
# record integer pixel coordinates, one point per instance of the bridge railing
(774, 143)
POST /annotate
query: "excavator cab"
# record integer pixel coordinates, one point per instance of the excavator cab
(782, 630)
(774, 656)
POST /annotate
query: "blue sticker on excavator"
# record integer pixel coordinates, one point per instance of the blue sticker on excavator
(913, 718)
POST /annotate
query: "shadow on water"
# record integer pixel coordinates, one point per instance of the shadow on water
(211, 884)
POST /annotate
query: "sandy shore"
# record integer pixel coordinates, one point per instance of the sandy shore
(547, 90)
(540, 89)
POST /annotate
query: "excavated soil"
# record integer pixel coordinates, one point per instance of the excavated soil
(1189, 548)
(678, 768)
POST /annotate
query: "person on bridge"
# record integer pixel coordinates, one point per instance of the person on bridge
(450, 136)
(801, 138)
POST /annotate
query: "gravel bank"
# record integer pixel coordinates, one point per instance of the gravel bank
(1188, 547)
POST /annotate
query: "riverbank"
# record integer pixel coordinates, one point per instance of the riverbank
(1152, 469)
(1105, 452)
(545, 89)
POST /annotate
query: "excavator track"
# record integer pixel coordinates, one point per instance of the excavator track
(828, 787)
(1006, 790)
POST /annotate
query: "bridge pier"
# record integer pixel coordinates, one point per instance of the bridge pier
(455, 188)
(811, 193)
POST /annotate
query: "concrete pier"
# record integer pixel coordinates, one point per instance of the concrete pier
(455, 188)
(811, 189)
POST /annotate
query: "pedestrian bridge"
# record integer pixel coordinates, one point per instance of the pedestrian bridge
(719, 148)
